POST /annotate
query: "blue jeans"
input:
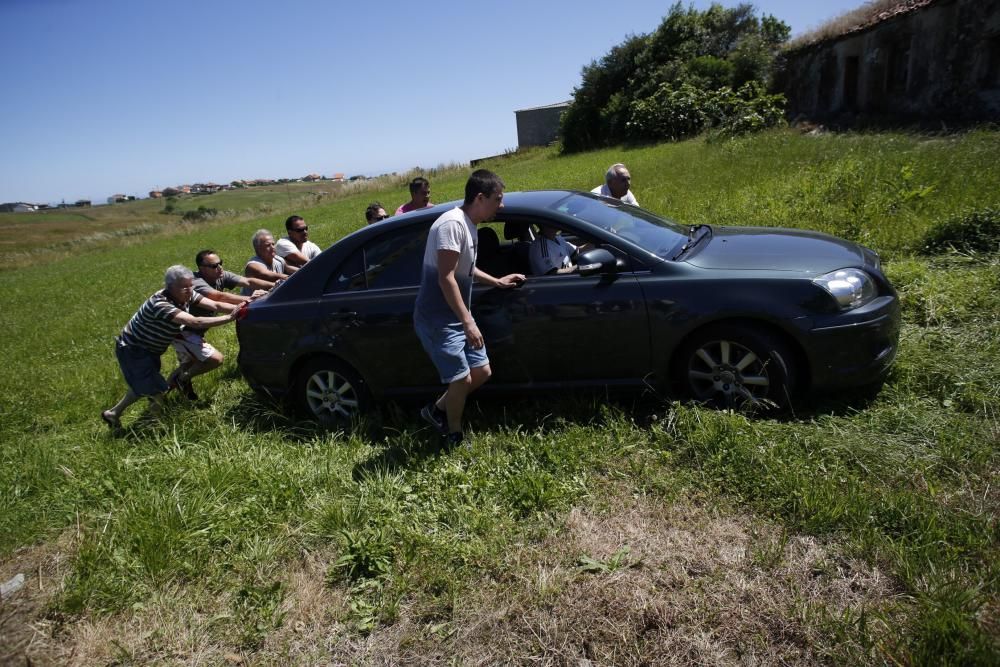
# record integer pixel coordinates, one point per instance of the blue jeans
(449, 349)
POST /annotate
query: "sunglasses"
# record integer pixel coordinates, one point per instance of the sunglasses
(300, 229)
(212, 266)
(380, 217)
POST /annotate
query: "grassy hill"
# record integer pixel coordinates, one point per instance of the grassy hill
(622, 532)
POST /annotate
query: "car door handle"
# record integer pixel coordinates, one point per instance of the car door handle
(344, 315)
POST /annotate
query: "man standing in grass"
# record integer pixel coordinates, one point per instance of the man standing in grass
(151, 330)
(617, 182)
(420, 196)
(442, 316)
(296, 248)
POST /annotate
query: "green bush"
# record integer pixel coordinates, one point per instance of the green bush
(974, 231)
(642, 88)
(675, 113)
(201, 214)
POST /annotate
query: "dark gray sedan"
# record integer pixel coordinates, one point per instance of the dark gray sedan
(734, 316)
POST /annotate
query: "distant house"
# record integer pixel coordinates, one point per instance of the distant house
(904, 60)
(156, 194)
(171, 192)
(18, 207)
(539, 126)
(117, 199)
(312, 178)
(337, 178)
(81, 203)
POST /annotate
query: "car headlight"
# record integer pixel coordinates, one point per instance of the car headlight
(850, 288)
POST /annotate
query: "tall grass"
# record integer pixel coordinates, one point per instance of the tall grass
(214, 507)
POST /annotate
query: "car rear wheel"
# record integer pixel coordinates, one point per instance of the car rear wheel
(737, 367)
(330, 392)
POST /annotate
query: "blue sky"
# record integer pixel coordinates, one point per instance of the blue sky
(109, 96)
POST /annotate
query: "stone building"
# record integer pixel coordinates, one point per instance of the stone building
(910, 61)
(539, 126)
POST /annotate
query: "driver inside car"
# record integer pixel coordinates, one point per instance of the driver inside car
(551, 254)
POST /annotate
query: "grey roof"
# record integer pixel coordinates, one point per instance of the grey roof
(557, 105)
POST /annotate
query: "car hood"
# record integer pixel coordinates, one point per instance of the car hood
(761, 248)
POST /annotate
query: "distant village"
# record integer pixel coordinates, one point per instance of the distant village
(928, 64)
(176, 191)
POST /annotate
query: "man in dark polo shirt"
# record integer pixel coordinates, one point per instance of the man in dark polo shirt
(211, 282)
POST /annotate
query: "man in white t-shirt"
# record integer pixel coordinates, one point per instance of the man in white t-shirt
(296, 248)
(441, 315)
(617, 182)
(550, 253)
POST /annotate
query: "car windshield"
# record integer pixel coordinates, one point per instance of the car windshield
(659, 236)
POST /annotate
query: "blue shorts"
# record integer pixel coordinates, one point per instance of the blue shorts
(449, 350)
(141, 369)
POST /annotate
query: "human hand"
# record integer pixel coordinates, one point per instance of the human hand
(473, 335)
(257, 293)
(511, 280)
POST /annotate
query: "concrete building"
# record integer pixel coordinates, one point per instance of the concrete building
(911, 61)
(539, 126)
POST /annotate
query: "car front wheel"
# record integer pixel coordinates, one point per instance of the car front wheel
(330, 392)
(738, 367)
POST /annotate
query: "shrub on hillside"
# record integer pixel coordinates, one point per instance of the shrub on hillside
(675, 113)
(201, 214)
(974, 231)
(658, 80)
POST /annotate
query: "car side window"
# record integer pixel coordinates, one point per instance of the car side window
(349, 276)
(395, 260)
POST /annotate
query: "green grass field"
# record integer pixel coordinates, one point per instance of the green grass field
(627, 532)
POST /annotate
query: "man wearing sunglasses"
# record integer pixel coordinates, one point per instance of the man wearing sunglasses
(296, 248)
(375, 213)
(211, 282)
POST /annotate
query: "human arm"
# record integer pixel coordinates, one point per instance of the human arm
(506, 282)
(259, 272)
(447, 262)
(222, 297)
(294, 258)
(256, 283)
(198, 322)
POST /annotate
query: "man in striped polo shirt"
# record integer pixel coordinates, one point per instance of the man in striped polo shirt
(151, 331)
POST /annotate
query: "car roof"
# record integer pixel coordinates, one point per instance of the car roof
(521, 202)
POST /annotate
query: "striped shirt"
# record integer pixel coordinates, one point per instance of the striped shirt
(152, 326)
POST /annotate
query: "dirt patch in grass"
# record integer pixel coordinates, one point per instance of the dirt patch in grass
(635, 582)
(25, 632)
(640, 584)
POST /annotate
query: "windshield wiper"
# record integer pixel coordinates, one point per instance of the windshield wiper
(695, 234)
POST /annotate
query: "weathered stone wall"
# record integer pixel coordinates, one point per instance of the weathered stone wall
(940, 62)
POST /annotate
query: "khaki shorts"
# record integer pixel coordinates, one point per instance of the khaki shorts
(191, 346)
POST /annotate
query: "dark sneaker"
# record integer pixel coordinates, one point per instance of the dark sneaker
(187, 390)
(455, 439)
(113, 422)
(436, 417)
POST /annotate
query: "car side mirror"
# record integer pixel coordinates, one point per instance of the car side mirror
(596, 261)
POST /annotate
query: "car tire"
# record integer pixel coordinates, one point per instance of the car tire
(330, 392)
(736, 367)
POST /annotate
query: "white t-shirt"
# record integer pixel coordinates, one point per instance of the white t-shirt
(605, 191)
(277, 265)
(285, 246)
(547, 254)
(453, 230)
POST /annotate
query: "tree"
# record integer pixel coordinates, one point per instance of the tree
(690, 53)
